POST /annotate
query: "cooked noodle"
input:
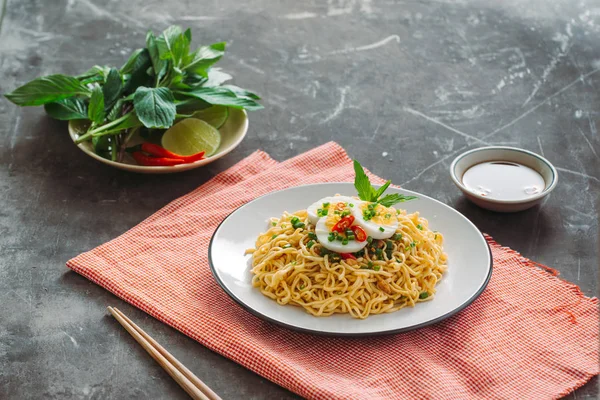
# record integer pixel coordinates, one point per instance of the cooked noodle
(287, 271)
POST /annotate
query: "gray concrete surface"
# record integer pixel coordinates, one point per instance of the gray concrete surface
(420, 81)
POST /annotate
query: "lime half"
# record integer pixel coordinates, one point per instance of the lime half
(214, 115)
(192, 136)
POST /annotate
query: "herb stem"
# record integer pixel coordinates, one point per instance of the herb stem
(104, 129)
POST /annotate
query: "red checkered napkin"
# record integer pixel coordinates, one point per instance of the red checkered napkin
(529, 335)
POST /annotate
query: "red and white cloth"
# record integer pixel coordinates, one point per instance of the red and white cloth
(529, 335)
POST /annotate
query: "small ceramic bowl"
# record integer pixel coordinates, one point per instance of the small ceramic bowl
(232, 132)
(503, 154)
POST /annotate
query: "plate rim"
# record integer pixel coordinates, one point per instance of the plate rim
(264, 317)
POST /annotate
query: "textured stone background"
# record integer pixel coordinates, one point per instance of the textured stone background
(419, 81)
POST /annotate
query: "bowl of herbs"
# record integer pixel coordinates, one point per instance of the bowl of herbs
(167, 109)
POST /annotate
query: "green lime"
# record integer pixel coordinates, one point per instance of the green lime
(191, 136)
(214, 115)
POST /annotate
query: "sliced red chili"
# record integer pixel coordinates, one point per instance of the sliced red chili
(149, 161)
(343, 224)
(340, 206)
(158, 151)
(359, 233)
(348, 256)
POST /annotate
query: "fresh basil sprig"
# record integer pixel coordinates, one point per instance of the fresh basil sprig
(367, 192)
(157, 84)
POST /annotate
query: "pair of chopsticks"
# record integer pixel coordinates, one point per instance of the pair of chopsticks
(183, 376)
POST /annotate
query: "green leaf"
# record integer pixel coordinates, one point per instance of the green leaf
(382, 189)
(241, 92)
(138, 76)
(180, 50)
(222, 96)
(204, 57)
(67, 109)
(115, 112)
(159, 65)
(96, 108)
(113, 88)
(362, 183)
(391, 199)
(188, 35)
(166, 41)
(215, 77)
(127, 68)
(95, 71)
(47, 89)
(155, 107)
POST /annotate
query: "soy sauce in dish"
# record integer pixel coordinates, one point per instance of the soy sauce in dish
(501, 180)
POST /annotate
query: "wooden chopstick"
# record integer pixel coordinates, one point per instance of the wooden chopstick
(183, 376)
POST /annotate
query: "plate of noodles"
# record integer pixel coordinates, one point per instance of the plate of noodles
(350, 259)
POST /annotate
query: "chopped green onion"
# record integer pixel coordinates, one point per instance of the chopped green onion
(378, 253)
(397, 236)
(293, 262)
(312, 235)
(302, 286)
(381, 229)
(345, 241)
(435, 236)
(377, 267)
(406, 248)
(345, 213)
(283, 226)
(423, 295)
(274, 223)
(388, 215)
(364, 267)
(351, 205)
(287, 246)
(351, 237)
(413, 244)
(339, 292)
(331, 237)
(420, 227)
(370, 265)
(389, 244)
(325, 205)
(397, 212)
(310, 244)
(294, 220)
(299, 225)
(369, 239)
(273, 237)
(339, 238)
(337, 212)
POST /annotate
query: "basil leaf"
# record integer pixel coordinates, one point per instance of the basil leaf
(115, 112)
(95, 71)
(159, 66)
(188, 35)
(96, 108)
(391, 199)
(47, 89)
(222, 96)
(138, 76)
(215, 77)
(242, 92)
(127, 68)
(362, 183)
(112, 88)
(204, 57)
(382, 189)
(155, 107)
(166, 41)
(67, 109)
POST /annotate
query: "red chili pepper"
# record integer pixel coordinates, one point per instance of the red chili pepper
(359, 233)
(340, 206)
(347, 256)
(158, 151)
(149, 161)
(343, 224)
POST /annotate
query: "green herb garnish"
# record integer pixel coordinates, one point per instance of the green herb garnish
(310, 244)
(423, 295)
(420, 227)
(367, 192)
(381, 229)
(158, 85)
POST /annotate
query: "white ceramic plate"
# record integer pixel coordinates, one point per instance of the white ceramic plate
(232, 133)
(469, 264)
